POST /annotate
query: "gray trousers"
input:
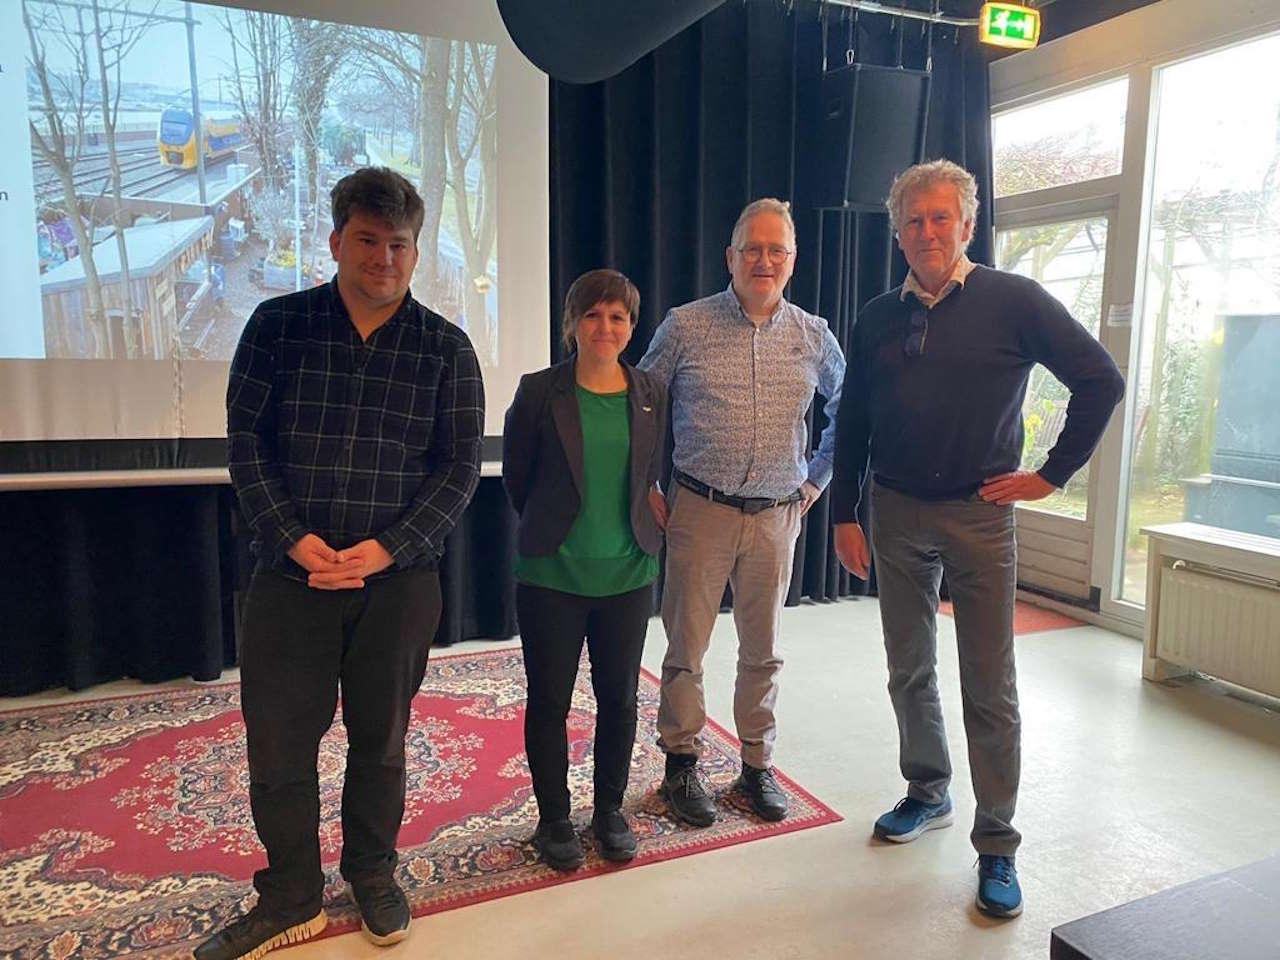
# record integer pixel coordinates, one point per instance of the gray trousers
(710, 544)
(914, 542)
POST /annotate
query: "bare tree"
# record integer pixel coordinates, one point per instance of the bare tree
(433, 88)
(470, 133)
(65, 111)
(319, 48)
(1047, 162)
(391, 80)
(261, 95)
(418, 67)
(116, 32)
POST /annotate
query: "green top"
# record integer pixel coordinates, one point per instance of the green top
(600, 556)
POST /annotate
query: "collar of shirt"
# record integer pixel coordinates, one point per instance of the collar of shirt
(341, 315)
(742, 311)
(962, 269)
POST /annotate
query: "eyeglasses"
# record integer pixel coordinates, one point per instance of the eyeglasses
(914, 347)
(752, 253)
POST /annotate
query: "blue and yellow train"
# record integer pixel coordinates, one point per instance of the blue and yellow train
(175, 138)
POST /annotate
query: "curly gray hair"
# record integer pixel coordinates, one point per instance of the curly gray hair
(925, 175)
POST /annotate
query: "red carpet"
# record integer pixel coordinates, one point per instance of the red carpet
(125, 826)
(1028, 618)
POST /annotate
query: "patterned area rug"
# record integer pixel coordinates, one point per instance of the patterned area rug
(125, 826)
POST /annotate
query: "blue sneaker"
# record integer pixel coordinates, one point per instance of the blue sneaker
(912, 817)
(998, 892)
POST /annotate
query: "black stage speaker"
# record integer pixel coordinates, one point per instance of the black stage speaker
(582, 42)
(873, 126)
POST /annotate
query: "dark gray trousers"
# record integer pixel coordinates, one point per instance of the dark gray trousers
(972, 541)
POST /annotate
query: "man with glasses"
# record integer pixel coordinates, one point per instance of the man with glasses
(932, 409)
(741, 367)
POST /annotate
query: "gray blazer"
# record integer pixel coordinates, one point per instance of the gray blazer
(542, 456)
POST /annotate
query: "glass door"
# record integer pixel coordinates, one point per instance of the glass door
(1203, 436)
(1057, 168)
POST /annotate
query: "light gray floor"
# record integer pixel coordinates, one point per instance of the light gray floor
(1127, 788)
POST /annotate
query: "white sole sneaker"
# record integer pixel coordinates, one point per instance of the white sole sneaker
(298, 933)
(395, 936)
(990, 911)
(381, 940)
(933, 823)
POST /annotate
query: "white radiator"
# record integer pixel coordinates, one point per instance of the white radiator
(1221, 625)
(1213, 605)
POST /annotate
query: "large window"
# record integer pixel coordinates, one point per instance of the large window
(1063, 140)
(1137, 177)
(1205, 430)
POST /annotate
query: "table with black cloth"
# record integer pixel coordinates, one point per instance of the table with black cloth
(145, 582)
(1227, 916)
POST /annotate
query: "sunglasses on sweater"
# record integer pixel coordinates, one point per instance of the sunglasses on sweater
(918, 330)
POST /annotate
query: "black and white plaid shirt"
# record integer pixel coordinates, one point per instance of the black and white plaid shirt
(352, 439)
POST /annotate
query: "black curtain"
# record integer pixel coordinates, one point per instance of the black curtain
(650, 169)
(146, 582)
(99, 584)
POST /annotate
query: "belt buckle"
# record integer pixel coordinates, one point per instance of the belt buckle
(754, 505)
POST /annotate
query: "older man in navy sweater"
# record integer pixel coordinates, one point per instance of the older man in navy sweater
(932, 409)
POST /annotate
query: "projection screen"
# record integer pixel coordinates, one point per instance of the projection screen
(168, 167)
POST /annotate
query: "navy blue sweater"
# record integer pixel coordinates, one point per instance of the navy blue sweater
(937, 425)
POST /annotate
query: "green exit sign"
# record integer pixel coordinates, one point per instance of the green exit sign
(1009, 25)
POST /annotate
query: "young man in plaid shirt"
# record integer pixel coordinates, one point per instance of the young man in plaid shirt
(354, 425)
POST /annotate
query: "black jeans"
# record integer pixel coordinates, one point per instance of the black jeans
(298, 645)
(552, 628)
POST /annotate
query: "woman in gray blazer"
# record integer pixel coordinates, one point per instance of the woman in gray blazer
(582, 444)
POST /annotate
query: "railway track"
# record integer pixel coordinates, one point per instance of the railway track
(141, 173)
(92, 174)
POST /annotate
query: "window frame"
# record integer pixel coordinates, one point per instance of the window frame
(1137, 45)
(1067, 192)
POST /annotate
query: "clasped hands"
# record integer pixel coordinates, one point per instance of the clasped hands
(331, 569)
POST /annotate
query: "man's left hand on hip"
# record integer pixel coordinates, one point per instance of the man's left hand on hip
(1012, 487)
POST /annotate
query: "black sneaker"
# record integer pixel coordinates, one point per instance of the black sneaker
(384, 911)
(687, 797)
(761, 788)
(558, 845)
(613, 835)
(258, 932)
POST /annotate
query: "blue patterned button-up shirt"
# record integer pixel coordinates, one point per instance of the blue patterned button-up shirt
(739, 394)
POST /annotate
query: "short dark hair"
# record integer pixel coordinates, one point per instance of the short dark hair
(377, 192)
(597, 286)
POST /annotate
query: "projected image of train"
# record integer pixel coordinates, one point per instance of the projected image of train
(176, 141)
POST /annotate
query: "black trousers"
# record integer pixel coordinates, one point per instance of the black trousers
(552, 628)
(299, 645)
